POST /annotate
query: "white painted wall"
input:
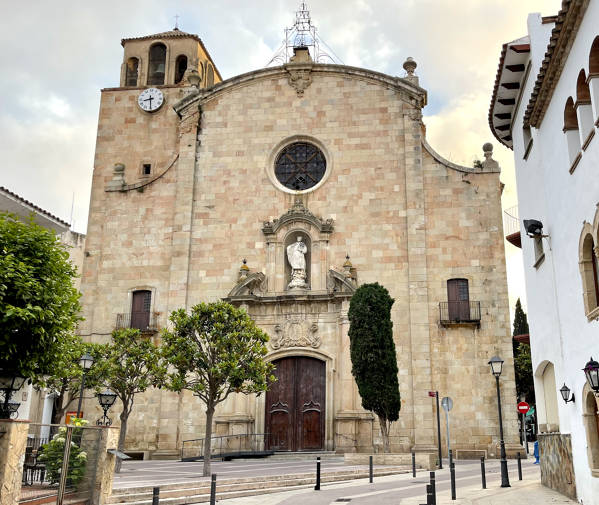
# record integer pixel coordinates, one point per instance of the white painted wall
(560, 332)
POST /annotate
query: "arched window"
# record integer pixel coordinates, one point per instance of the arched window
(180, 68)
(157, 64)
(594, 76)
(590, 418)
(131, 72)
(571, 131)
(589, 272)
(584, 110)
(209, 76)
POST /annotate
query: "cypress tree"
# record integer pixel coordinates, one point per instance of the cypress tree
(522, 359)
(372, 350)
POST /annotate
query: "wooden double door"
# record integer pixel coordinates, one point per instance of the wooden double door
(295, 405)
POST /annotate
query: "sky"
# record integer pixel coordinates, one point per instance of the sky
(58, 55)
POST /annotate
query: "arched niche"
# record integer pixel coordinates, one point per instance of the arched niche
(157, 64)
(589, 270)
(292, 238)
(547, 411)
(180, 68)
(571, 130)
(132, 72)
(281, 232)
(593, 78)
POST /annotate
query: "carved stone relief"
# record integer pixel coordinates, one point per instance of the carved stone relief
(299, 79)
(296, 331)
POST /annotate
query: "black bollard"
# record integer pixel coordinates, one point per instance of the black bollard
(317, 486)
(519, 467)
(434, 487)
(429, 495)
(213, 490)
(452, 475)
(370, 470)
(413, 464)
(155, 496)
(482, 472)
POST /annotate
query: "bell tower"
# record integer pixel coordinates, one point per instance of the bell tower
(163, 59)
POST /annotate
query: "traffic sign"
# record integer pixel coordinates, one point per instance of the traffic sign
(432, 394)
(447, 403)
(523, 407)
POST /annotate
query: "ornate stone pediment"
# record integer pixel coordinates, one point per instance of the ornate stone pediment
(297, 213)
(252, 284)
(296, 331)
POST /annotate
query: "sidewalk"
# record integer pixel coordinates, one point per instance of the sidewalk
(528, 491)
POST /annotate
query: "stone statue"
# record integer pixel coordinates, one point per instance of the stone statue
(296, 257)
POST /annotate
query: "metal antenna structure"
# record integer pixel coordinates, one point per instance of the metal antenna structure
(303, 34)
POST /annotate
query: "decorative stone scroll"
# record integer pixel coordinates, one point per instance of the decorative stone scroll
(297, 213)
(299, 79)
(296, 332)
(249, 284)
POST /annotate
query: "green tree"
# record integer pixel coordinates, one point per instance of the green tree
(522, 359)
(215, 350)
(128, 365)
(63, 378)
(372, 350)
(38, 302)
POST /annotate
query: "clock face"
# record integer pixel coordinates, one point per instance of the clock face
(150, 99)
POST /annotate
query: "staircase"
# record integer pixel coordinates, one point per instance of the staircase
(199, 491)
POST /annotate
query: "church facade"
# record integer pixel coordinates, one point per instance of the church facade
(281, 191)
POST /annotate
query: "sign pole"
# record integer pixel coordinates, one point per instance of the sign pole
(439, 432)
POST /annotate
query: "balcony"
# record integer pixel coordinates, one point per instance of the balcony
(145, 322)
(511, 226)
(460, 313)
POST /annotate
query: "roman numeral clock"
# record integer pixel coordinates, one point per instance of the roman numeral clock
(150, 100)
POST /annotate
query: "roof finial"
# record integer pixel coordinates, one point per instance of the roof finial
(177, 21)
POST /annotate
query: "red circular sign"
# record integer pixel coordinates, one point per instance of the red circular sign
(523, 407)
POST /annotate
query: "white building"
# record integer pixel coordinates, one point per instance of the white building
(545, 107)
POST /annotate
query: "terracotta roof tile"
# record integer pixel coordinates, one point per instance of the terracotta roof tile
(33, 206)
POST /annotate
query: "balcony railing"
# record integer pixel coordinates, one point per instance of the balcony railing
(460, 312)
(143, 321)
(511, 226)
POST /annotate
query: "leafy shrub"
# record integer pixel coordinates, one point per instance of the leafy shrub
(53, 455)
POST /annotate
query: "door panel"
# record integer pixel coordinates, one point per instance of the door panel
(295, 404)
(140, 310)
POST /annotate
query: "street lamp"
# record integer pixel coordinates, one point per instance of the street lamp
(591, 370)
(8, 385)
(85, 362)
(565, 392)
(496, 367)
(106, 399)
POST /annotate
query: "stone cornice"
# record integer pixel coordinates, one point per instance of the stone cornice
(399, 84)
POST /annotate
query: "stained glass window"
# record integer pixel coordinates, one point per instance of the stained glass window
(300, 166)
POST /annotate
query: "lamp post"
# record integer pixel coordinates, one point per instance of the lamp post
(591, 370)
(85, 362)
(106, 399)
(496, 367)
(8, 385)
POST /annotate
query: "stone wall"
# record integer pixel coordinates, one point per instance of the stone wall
(407, 219)
(557, 468)
(13, 438)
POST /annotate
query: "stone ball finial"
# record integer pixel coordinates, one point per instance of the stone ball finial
(119, 168)
(488, 148)
(409, 66)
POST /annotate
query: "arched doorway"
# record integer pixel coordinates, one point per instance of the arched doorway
(295, 405)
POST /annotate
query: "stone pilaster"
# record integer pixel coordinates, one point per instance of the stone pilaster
(13, 438)
(104, 468)
(422, 412)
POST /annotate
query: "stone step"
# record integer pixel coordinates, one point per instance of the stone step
(199, 492)
(303, 456)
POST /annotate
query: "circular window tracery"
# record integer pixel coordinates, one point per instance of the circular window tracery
(300, 166)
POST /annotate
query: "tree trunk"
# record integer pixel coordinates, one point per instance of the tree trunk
(385, 425)
(122, 434)
(208, 440)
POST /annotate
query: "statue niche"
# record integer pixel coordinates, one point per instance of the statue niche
(298, 258)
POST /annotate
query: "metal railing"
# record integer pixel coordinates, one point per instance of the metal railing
(459, 312)
(143, 321)
(511, 222)
(229, 446)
